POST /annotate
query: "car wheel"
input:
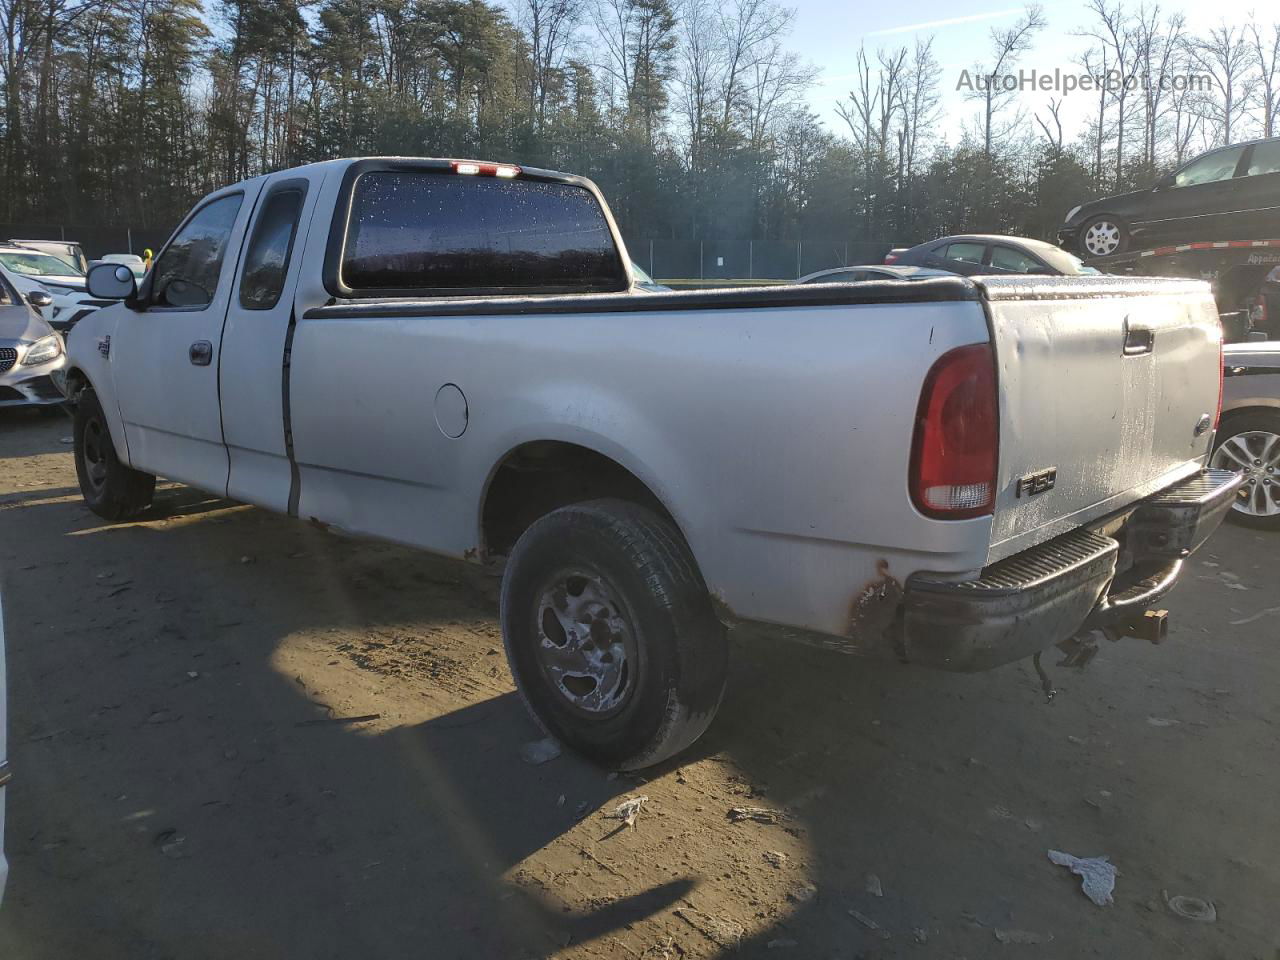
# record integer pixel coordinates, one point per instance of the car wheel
(610, 633)
(1103, 236)
(1250, 444)
(110, 489)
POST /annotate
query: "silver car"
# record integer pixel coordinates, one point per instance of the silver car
(31, 353)
(1248, 439)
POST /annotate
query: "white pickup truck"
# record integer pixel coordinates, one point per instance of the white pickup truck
(450, 354)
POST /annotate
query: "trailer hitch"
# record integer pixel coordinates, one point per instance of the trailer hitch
(1152, 626)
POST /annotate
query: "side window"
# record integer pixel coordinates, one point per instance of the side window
(267, 259)
(965, 252)
(1007, 258)
(6, 300)
(186, 275)
(1265, 159)
(1220, 165)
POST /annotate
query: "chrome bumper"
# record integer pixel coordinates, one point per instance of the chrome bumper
(1081, 581)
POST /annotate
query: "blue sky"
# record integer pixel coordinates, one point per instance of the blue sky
(828, 33)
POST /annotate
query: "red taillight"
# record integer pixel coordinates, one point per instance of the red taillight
(476, 168)
(890, 257)
(953, 456)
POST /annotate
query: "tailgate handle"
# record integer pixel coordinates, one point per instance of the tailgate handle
(1138, 340)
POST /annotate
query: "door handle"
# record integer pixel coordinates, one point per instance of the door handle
(201, 353)
(1138, 340)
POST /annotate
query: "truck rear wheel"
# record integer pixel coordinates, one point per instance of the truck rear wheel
(110, 489)
(610, 634)
(1249, 443)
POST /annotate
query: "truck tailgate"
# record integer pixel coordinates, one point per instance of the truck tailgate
(1105, 384)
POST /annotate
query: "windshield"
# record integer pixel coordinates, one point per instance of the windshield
(38, 265)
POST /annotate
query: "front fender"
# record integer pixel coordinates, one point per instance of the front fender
(89, 364)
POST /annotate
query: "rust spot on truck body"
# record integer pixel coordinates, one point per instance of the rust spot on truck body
(875, 606)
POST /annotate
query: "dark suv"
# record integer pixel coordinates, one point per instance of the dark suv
(1232, 193)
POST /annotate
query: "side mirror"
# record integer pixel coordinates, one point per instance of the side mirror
(111, 281)
(39, 299)
(1164, 182)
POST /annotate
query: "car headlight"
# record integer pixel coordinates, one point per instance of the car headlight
(1072, 212)
(43, 350)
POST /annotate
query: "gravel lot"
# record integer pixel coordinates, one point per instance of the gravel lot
(189, 783)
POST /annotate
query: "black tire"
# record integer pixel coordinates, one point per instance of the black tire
(657, 617)
(1247, 432)
(110, 489)
(1089, 249)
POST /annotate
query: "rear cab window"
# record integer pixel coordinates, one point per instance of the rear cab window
(422, 232)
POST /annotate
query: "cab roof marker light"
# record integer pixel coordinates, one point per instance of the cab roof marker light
(475, 168)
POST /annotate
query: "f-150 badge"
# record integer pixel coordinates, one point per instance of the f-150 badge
(1037, 482)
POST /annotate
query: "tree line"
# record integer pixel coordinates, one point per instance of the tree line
(694, 116)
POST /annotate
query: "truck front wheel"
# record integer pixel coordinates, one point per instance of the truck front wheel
(610, 634)
(110, 489)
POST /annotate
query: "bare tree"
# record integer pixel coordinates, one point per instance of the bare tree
(869, 111)
(697, 75)
(1116, 35)
(1156, 48)
(1098, 126)
(1007, 46)
(548, 26)
(1052, 128)
(920, 104)
(773, 88)
(1225, 57)
(1265, 49)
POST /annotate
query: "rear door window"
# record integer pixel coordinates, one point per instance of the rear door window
(421, 232)
(267, 260)
(1007, 258)
(1265, 159)
(965, 252)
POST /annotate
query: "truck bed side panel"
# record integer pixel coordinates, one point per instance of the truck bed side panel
(778, 438)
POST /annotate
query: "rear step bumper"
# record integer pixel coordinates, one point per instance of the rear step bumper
(1049, 593)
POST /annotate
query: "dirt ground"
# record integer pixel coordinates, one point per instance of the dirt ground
(185, 788)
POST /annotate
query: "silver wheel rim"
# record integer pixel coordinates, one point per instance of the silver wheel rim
(1102, 238)
(586, 647)
(1256, 454)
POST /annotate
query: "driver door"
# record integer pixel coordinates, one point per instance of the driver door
(165, 356)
